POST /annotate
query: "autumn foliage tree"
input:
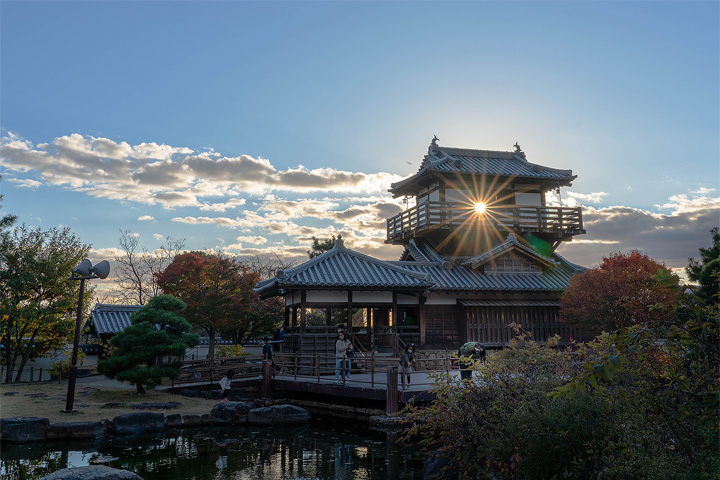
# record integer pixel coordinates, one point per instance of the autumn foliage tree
(218, 291)
(617, 294)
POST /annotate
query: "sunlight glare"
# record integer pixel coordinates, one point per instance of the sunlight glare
(480, 207)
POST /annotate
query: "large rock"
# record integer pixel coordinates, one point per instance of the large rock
(138, 423)
(174, 421)
(278, 415)
(23, 429)
(93, 472)
(230, 413)
(76, 431)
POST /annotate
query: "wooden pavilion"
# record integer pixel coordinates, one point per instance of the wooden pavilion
(479, 254)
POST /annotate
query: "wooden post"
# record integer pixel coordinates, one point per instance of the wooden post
(303, 308)
(317, 366)
(349, 315)
(372, 369)
(394, 324)
(296, 365)
(266, 378)
(421, 320)
(391, 394)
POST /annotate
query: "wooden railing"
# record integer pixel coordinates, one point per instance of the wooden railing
(514, 217)
(495, 335)
(209, 371)
(365, 370)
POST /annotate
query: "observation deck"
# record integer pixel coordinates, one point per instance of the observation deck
(553, 222)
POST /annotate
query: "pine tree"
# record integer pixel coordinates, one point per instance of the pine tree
(707, 270)
(141, 350)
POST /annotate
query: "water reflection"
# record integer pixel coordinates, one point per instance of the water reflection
(313, 452)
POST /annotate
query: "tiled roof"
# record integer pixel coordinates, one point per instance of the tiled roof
(343, 268)
(111, 319)
(451, 160)
(461, 278)
(509, 303)
(510, 243)
(421, 251)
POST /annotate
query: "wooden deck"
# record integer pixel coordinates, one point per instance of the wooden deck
(373, 379)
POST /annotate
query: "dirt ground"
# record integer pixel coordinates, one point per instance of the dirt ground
(96, 398)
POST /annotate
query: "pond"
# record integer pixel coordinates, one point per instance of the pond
(322, 450)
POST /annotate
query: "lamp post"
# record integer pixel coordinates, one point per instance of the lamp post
(84, 271)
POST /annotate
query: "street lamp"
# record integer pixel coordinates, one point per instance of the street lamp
(84, 271)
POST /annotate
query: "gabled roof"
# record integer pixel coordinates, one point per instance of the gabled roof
(463, 279)
(347, 269)
(111, 319)
(420, 250)
(340, 267)
(511, 243)
(444, 161)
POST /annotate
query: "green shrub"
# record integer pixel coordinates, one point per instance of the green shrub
(231, 351)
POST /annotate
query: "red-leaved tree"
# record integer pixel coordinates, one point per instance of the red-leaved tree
(618, 293)
(218, 291)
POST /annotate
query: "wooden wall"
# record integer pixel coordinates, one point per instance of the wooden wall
(444, 325)
(490, 325)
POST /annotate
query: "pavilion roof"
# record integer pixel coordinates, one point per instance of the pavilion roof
(340, 267)
(347, 269)
(445, 161)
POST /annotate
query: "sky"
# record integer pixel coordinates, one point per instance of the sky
(249, 127)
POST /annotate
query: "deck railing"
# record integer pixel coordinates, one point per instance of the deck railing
(522, 218)
(500, 334)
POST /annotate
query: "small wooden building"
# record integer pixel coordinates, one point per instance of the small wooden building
(479, 254)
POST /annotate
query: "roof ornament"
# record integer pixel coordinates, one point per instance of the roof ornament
(433, 145)
(518, 150)
(339, 244)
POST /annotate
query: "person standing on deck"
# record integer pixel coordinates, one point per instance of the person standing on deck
(469, 352)
(407, 361)
(267, 350)
(342, 364)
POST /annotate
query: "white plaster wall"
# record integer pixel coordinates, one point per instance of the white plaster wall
(407, 300)
(372, 297)
(528, 199)
(324, 296)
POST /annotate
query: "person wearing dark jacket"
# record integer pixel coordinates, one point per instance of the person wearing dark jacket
(468, 353)
(267, 350)
(407, 361)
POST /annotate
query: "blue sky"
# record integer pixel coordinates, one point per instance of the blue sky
(249, 127)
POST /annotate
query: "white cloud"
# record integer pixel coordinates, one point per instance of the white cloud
(146, 218)
(157, 236)
(673, 236)
(25, 183)
(171, 176)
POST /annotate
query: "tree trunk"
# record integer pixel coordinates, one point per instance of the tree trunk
(140, 388)
(211, 344)
(9, 363)
(24, 359)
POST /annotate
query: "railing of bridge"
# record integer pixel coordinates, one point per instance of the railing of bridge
(211, 371)
(369, 369)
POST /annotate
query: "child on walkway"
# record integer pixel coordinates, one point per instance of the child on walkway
(225, 384)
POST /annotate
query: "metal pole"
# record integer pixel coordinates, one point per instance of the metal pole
(73, 365)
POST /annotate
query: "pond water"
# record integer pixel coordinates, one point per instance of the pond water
(318, 451)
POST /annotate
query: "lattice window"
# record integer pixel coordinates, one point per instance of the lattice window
(512, 263)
